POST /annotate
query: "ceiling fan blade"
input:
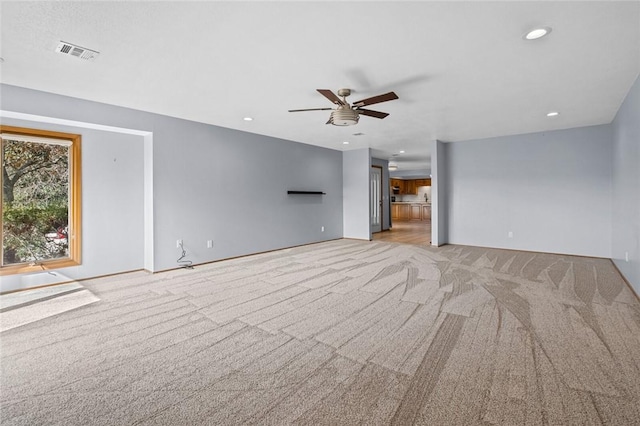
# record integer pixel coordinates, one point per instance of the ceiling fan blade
(330, 121)
(310, 109)
(331, 96)
(370, 113)
(376, 99)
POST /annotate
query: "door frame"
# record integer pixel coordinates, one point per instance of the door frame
(380, 198)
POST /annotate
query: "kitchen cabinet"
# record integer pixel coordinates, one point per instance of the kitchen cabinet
(400, 211)
(410, 211)
(395, 208)
(415, 212)
(409, 186)
(426, 212)
(403, 213)
(423, 182)
(397, 183)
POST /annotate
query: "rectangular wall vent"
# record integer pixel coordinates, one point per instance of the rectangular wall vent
(77, 51)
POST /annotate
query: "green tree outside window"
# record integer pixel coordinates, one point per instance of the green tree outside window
(38, 200)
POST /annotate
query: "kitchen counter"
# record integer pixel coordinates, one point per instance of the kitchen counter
(410, 210)
(411, 202)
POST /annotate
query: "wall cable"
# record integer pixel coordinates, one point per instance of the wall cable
(184, 263)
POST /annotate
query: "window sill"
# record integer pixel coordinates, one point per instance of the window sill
(49, 265)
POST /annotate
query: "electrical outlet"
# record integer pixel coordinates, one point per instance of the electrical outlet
(322, 229)
(178, 243)
(510, 234)
(626, 256)
(209, 243)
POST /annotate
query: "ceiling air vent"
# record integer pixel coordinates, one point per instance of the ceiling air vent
(77, 51)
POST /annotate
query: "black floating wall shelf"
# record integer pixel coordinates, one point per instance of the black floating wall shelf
(307, 192)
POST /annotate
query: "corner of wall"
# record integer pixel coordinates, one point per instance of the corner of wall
(356, 168)
(625, 204)
(439, 197)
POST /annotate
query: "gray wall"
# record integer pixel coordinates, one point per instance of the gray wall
(552, 190)
(211, 182)
(386, 200)
(356, 167)
(231, 187)
(626, 187)
(112, 206)
(439, 194)
(413, 174)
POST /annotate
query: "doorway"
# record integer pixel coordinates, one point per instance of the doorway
(410, 211)
(375, 197)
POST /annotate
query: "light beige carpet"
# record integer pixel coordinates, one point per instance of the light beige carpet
(25, 307)
(342, 333)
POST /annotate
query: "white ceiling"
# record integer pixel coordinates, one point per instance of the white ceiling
(461, 69)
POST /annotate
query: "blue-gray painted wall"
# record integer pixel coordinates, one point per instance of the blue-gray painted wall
(551, 190)
(626, 187)
(356, 171)
(571, 191)
(208, 183)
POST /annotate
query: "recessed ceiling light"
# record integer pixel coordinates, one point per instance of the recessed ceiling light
(553, 114)
(345, 143)
(537, 33)
(248, 119)
(401, 152)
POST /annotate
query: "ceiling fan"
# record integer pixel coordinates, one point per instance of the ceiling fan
(348, 115)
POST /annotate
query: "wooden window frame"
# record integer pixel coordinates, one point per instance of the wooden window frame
(75, 203)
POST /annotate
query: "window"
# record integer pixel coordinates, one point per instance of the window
(40, 200)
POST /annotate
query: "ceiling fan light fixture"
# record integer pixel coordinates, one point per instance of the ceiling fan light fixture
(344, 117)
(537, 33)
(348, 115)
